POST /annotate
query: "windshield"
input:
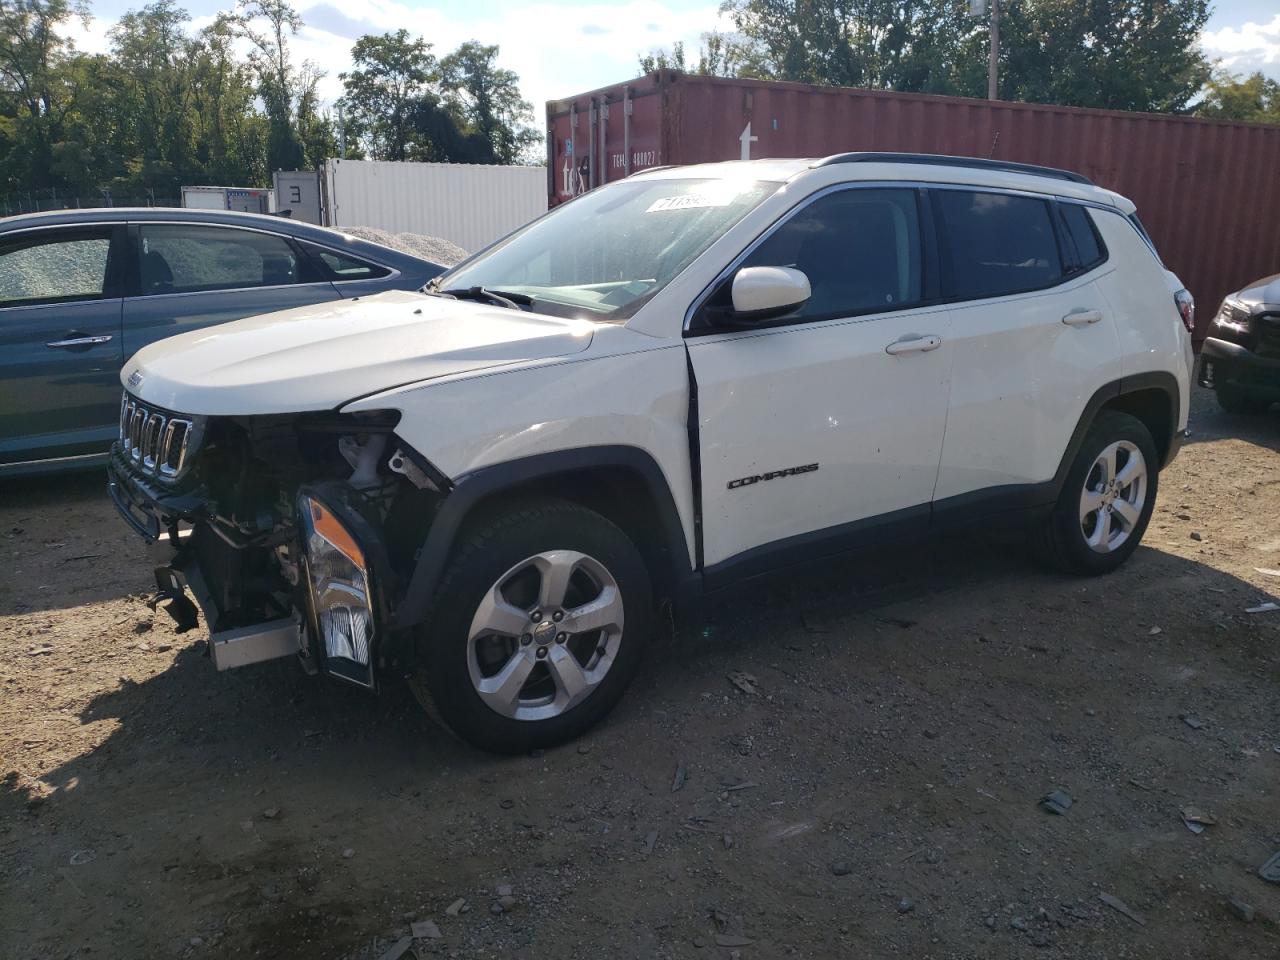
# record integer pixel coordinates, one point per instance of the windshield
(607, 252)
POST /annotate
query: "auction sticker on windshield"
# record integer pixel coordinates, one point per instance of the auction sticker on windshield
(690, 201)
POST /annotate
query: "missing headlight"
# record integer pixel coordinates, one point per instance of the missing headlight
(341, 597)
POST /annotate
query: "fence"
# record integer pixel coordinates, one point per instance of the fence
(34, 201)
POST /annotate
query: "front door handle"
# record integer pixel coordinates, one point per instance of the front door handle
(79, 342)
(1082, 318)
(913, 344)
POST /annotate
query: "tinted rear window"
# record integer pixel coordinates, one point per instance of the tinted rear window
(995, 244)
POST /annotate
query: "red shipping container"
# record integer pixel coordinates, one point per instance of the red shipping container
(1208, 191)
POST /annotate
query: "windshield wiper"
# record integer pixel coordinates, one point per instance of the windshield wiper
(504, 298)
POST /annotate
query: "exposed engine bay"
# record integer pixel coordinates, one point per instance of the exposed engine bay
(294, 533)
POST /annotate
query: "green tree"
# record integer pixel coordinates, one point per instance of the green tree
(153, 78)
(230, 135)
(392, 76)
(719, 55)
(1117, 54)
(1255, 99)
(488, 99)
(268, 25)
(1121, 54)
(37, 88)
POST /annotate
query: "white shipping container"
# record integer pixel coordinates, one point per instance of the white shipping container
(469, 204)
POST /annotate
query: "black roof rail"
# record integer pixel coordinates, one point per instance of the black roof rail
(942, 160)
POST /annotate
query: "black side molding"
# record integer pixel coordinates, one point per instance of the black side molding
(469, 489)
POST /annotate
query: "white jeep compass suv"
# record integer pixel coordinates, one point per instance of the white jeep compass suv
(691, 376)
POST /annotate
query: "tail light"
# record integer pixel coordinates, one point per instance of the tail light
(1186, 305)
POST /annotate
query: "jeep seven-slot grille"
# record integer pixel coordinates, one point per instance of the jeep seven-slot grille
(158, 443)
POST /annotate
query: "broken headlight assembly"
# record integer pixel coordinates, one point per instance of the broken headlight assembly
(340, 589)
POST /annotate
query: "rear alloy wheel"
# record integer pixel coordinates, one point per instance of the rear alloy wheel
(1113, 498)
(541, 619)
(1106, 500)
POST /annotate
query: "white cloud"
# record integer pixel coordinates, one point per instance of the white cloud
(89, 35)
(556, 50)
(1244, 49)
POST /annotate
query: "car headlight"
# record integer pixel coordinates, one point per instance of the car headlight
(341, 598)
(1232, 316)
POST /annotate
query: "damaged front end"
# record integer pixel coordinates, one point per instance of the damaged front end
(293, 533)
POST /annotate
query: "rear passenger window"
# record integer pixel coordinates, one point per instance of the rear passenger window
(995, 244)
(1082, 237)
(177, 258)
(859, 248)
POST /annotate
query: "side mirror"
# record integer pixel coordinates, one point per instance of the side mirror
(761, 294)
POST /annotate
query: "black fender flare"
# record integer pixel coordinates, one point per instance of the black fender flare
(471, 488)
(1160, 380)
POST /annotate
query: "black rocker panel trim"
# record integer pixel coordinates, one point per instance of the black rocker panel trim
(911, 523)
(470, 489)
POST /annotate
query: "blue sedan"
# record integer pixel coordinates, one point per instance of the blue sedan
(82, 290)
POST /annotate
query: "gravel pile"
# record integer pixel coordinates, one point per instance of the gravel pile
(435, 249)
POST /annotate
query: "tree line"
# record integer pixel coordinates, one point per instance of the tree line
(1114, 54)
(230, 103)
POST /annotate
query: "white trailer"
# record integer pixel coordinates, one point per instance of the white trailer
(471, 205)
(243, 199)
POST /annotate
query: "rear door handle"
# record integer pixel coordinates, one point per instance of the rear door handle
(79, 342)
(1082, 318)
(913, 344)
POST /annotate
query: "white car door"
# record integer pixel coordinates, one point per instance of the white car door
(830, 424)
(1033, 339)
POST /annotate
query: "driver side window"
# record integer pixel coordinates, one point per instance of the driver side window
(860, 249)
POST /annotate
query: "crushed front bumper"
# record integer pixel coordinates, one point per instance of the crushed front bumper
(163, 518)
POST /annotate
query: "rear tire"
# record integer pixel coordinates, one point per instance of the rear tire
(1234, 400)
(503, 666)
(1106, 500)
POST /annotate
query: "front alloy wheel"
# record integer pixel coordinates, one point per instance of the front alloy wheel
(539, 624)
(545, 635)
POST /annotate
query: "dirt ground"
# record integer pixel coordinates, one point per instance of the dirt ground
(877, 795)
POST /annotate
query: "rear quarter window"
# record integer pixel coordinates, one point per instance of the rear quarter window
(1082, 236)
(343, 266)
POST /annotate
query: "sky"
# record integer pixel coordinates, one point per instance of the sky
(564, 47)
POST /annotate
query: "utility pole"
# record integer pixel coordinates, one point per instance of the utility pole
(993, 65)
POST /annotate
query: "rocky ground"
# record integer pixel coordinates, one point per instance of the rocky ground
(436, 249)
(871, 788)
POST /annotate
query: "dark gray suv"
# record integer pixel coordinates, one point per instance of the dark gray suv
(82, 290)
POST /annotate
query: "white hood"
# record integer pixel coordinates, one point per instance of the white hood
(319, 357)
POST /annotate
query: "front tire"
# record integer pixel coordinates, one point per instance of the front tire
(538, 628)
(1106, 501)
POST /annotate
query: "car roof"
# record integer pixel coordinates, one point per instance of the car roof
(927, 168)
(293, 228)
